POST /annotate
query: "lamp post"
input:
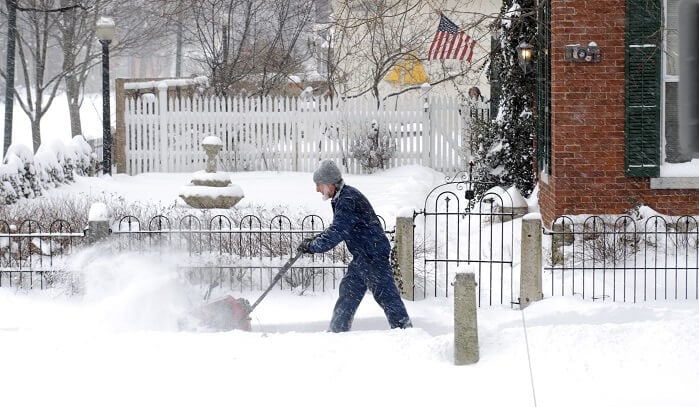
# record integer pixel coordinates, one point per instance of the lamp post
(105, 34)
(524, 56)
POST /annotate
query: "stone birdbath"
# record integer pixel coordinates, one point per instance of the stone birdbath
(210, 189)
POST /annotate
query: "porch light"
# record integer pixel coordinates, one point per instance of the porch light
(524, 56)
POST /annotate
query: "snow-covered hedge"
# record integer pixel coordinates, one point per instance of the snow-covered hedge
(26, 175)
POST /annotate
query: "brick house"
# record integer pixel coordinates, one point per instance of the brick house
(607, 136)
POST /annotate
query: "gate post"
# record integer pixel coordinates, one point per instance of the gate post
(465, 319)
(97, 223)
(530, 286)
(404, 249)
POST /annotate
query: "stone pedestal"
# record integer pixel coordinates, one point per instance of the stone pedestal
(210, 189)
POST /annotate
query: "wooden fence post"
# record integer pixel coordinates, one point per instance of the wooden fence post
(162, 127)
(426, 127)
(119, 147)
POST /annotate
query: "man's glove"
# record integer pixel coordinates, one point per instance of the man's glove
(305, 245)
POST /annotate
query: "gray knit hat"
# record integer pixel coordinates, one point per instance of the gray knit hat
(327, 173)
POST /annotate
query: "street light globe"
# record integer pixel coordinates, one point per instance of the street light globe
(105, 29)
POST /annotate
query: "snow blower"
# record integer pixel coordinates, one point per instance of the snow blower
(230, 313)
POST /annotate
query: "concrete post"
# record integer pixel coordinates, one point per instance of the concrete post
(97, 223)
(96, 231)
(530, 288)
(404, 248)
(465, 319)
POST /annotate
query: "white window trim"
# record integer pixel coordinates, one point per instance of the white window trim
(669, 178)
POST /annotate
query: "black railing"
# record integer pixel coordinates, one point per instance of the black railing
(624, 259)
(239, 254)
(34, 256)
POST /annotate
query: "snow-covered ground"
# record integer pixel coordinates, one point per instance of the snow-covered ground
(118, 344)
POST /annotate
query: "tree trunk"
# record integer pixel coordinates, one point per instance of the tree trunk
(70, 23)
(36, 133)
(74, 102)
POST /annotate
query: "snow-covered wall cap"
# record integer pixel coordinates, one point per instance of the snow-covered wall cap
(405, 212)
(98, 211)
(532, 216)
(518, 200)
(511, 198)
(212, 141)
(505, 199)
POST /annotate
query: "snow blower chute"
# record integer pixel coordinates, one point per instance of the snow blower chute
(229, 313)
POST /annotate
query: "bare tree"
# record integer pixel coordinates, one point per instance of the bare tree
(252, 41)
(76, 37)
(370, 37)
(33, 46)
(56, 44)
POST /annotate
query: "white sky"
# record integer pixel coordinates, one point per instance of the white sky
(118, 344)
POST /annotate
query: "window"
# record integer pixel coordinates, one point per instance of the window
(654, 144)
(671, 78)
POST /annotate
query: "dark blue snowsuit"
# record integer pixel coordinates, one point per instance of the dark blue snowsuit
(355, 223)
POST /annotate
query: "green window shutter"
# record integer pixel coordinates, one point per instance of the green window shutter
(643, 47)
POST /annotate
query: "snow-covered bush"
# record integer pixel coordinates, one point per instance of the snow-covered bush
(9, 182)
(374, 150)
(26, 175)
(82, 155)
(21, 160)
(50, 165)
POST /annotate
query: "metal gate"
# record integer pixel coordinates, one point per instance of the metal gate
(455, 232)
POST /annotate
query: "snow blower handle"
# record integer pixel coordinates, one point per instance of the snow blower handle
(277, 277)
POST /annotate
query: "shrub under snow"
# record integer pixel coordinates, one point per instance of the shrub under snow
(26, 175)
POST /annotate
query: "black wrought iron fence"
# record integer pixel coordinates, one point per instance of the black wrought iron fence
(624, 259)
(33, 255)
(241, 254)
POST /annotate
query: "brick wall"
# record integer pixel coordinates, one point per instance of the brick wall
(587, 121)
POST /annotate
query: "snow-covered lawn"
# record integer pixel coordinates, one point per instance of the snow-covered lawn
(118, 344)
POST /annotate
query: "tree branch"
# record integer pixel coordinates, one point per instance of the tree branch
(52, 10)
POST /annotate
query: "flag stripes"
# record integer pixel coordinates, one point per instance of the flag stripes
(450, 43)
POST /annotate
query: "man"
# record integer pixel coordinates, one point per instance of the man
(355, 223)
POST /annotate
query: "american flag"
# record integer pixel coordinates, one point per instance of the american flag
(450, 43)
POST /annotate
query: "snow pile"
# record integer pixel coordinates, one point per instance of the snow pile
(26, 175)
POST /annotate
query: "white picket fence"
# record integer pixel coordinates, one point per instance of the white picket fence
(163, 134)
